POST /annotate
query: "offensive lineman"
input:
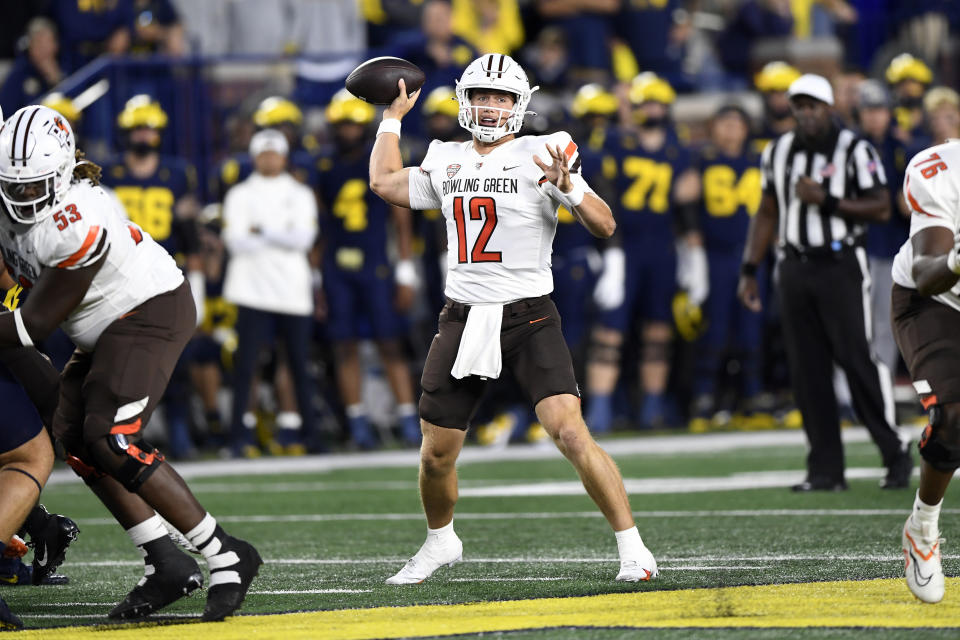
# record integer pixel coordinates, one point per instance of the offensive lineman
(500, 201)
(121, 298)
(925, 312)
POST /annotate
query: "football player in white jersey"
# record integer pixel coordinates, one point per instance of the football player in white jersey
(499, 198)
(926, 312)
(122, 300)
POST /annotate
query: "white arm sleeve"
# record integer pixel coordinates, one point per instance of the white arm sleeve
(422, 194)
(301, 236)
(289, 239)
(236, 225)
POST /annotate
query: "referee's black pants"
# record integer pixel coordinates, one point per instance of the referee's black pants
(825, 304)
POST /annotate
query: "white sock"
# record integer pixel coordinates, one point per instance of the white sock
(289, 420)
(355, 410)
(629, 543)
(406, 409)
(926, 514)
(441, 535)
(150, 529)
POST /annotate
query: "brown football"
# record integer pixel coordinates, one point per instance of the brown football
(375, 81)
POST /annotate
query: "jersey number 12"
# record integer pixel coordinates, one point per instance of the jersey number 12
(481, 208)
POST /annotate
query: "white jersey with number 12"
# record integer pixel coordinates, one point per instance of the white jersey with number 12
(500, 220)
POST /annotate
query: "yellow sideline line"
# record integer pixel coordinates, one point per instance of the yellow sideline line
(869, 603)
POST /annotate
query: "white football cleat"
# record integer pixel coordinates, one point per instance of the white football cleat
(431, 556)
(921, 552)
(642, 568)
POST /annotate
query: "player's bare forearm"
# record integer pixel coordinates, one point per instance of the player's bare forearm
(55, 295)
(693, 239)
(763, 227)
(6, 282)
(872, 206)
(594, 214)
(931, 247)
(388, 178)
(403, 224)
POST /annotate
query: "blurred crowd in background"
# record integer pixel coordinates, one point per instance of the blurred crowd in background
(671, 102)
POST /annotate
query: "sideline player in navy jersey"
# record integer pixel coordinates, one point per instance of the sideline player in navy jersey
(158, 193)
(274, 112)
(216, 340)
(875, 120)
(730, 175)
(658, 193)
(909, 78)
(772, 82)
(367, 296)
(440, 112)
(575, 256)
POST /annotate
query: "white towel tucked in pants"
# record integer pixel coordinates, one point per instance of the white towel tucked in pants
(479, 352)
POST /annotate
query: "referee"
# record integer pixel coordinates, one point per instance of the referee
(821, 184)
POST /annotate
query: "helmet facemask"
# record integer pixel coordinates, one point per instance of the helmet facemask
(27, 200)
(471, 118)
(493, 72)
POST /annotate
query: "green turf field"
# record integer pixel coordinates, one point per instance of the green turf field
(331, 537)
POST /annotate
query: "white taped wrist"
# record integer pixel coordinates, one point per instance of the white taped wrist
(25, 339)
(952, 261)
(570, 200)
(614, 259)
(405, 274)
(389, 125)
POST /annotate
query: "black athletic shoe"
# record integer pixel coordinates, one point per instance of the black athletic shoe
(8, 621)
(225, 598)
(176, 575)
(50, 545)
(15, 573)
(899, 471)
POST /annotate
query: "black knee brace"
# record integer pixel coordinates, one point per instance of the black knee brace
(942, 453)
(602, 352)
(656, 351)
(128, 462)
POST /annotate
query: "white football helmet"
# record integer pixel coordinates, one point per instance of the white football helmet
(502, 73)
(37, 157)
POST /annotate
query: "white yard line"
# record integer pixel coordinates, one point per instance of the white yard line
(544, 515)
(530, 579)
(83, 616)
(72, 604)
(286, 592)
(695, 561)
(652, 445)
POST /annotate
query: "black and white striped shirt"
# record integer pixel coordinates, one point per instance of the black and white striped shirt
(846, 167)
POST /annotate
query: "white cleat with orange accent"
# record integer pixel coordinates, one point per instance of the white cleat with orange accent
(431, 556)
(640, 569)
(921, 552)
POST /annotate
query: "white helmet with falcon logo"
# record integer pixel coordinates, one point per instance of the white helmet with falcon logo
(497, 72)
(37, 158)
